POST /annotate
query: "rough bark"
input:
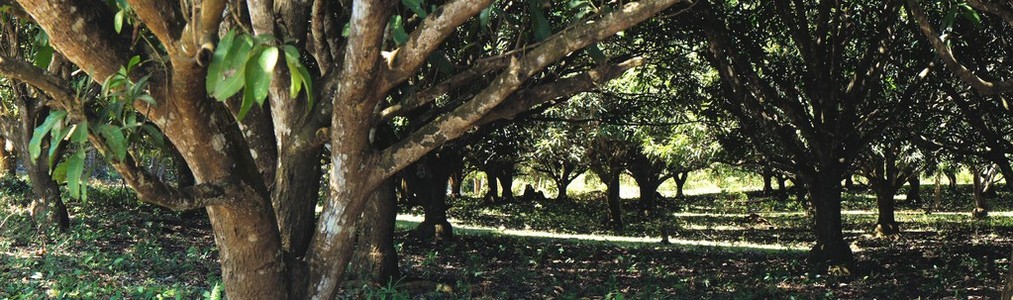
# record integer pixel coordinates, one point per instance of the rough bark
(614, 216)
(376, 258)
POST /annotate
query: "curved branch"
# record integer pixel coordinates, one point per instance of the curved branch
(425, 39)
(463, 118)
(163, 18)
(50, 84)
(980, 85)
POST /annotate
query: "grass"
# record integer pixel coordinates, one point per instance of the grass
(119, 248)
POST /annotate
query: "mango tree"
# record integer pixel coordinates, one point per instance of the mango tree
(250, 92)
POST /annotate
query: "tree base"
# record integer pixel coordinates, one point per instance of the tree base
(435, 232)
(835, 259)
(979, 213)
(887, 229)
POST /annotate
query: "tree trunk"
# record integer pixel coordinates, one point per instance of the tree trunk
(951, 176)
(615, 205)
(376, 258)
(768, 187)
(648, 193)
(456, 179)
(914, 194)
(980, 206)
(492, 196)
(507, 179)
(937, 196)
(561, 184)
(47, 206)
(830, 248)
(849, 183)
(435, 226)
(680, 181)
(886, 224)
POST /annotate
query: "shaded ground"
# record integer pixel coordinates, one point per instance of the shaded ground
(119, 248)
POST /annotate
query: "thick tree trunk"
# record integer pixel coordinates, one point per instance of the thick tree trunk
(680, 182)
(914, 194)
(614, 202)
(886, 224)
(830, 248)
(375, 257)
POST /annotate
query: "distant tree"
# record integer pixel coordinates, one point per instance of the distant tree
(807, 75)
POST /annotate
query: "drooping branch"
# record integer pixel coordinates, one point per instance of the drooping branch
(982, 86)
(457, 122)
(429, 35)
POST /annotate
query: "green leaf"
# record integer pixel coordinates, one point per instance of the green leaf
(292, 61)
(415, 6)
(485, 15)
(154, 134)
(35, 145)
(59, 174)
(43, 57)
(399, 34)
(950, 16)
(80, 134)
(260, 72)
(75, 170)
(247, 104)
(115, 139)
(218, 62)
(300, 75)
(970, 14)
(233, 70)
(540, 24)
(596, 53)
(118, 21)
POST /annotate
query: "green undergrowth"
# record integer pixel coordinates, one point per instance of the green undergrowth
(116, 248)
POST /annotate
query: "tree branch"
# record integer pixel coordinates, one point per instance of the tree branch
(463, 118)
(982, 86)
(425, 39)
(164, 20)
(50, 84)
(563, 88)
(430, 94)
(83, 32)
